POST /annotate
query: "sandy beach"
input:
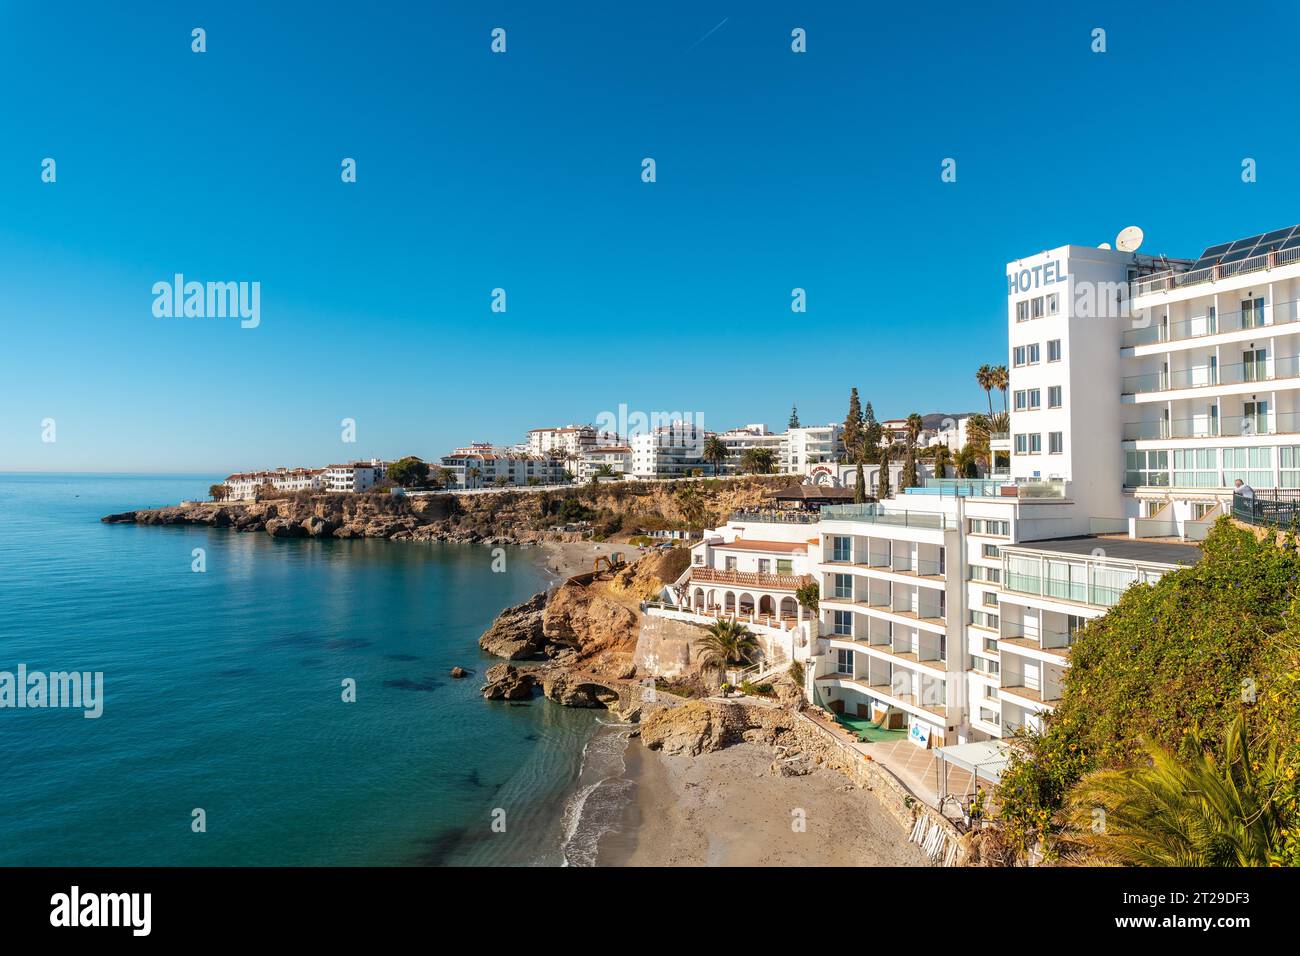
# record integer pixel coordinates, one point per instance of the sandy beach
(728, 808)
(567, 558)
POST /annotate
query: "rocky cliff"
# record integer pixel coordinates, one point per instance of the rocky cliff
(493, 517)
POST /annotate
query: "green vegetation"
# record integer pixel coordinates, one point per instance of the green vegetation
(408, 472)
(853, 427)
(794, 417)
(758, 461)
(808, 595)
(1192, 683)
(882, 482)
(715, 452)
(726, 644)
(219, 492)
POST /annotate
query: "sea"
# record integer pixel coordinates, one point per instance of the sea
(275, 702)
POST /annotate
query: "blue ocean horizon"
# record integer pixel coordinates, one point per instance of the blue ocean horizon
(223, 692)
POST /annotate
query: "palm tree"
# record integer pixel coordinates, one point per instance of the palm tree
(219, 492)
(758, 461)
(604, 471)
(726, 643)
(473, 475)
(1001, 381)
(984, 377)
(1197, 811)
(715, 452)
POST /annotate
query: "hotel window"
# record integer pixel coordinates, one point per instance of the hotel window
(843, 587)
(1053, 396)
(983, 665)
(990, 645)
(764, 566)
(1289, 459)
(990, 551)
(988, 526)
(1033, 354)
(784, 566)
(1196, 467)
(1055, 443)
(984, 619)
(1054, 350)
(990, 717)
(1038, 308)
(1022, 444)
(844, 623)
(1035, 399)
(1022, 310)
(980, 573)
(1035, 443)
(1146, 468)
(990, 692)
(990, 598)
(1021, 400)
(842, 548)
(843, 661)
(1018, 355)
(1053, 304)
(730, 562)
(1254, 466)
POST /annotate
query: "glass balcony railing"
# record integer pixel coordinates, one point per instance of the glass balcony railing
(991, 488)
(872, 513)
(1199, 326)
(1260, 370)
(1207, 426)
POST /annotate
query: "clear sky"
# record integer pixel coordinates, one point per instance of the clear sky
(522, 171)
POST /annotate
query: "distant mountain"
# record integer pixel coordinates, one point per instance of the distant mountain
(934, 419)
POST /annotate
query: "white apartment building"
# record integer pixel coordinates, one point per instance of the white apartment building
(737, 441)
(482, 465)
(569, 440)
(354, 477)
(669, 451)
(618, 458)
(244, 486)
(811, 445)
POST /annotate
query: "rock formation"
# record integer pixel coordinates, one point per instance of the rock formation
(507, 682)
(516, 634)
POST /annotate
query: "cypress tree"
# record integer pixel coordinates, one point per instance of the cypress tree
(882, 486)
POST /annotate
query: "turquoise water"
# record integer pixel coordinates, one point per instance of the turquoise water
(223, 692)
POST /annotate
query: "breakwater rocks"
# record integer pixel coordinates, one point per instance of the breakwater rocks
(505, 517)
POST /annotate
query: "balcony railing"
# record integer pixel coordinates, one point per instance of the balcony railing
(758, 579)
(872, 514)
(990, 488)
(777, 517)
(1264, 370)
(1199, 326)
(1166, 281)
(1077, 591)
(1230, 426)
(1268, 507)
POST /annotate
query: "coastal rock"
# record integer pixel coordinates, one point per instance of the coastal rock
(285, 528)
(507, 682)
(570, 690)
(459, 672)
(695, 728)
(516, 634)
(578, 615)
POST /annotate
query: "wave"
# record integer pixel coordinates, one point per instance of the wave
(602, 795)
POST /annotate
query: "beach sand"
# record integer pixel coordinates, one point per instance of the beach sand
(567, 558)
(728, 809)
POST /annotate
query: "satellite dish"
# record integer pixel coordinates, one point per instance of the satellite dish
(1104, 245)
(1129, 238)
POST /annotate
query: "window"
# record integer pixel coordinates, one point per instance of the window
(1022, 310)
(784, 566)
(1035, 399)
(844, 624)
(1289, 459)
(990, 598)
(1254, 466)
(1018, 355)
(1038, 308)
(1054, 350)
(731, 562)
(1196, 467)
(979, 572)
(1146, 468)
(843, 586)
(990, 717)
(990, 551)
(1030, 443)
(988, 526)
(1035, 443)
(1055, 443)
(1053, 304)
(764, 566)
(984, 619)
(990, 645)
(842, 548)
(1022, 444)
(843, 661)
(983, 665)
(1033, 354)
(990, 692)
(1053, 396)
(1021, 402)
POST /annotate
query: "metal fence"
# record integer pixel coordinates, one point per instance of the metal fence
(1268, 507)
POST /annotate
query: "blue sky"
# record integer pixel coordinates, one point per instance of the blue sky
(522, 171)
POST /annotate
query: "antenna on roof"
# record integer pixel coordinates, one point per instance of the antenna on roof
(1129, 238)
(1104, 245)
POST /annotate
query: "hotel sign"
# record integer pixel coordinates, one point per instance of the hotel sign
(1035, 277)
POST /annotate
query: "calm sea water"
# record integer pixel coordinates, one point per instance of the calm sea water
(223, 692)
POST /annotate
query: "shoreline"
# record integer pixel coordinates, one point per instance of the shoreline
(727, 808)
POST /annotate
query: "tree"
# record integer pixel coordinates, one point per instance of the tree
(715, 452)
(966, 462)
(908, 477)
(726, 643)
(882, 484)
(860, 487)
(1193, 811)
(808, 595)
(758, 461)
(853, 427)
(473, 474)
(444, 477)
(942, 458)
(500, 481)
(219, 492)
(794, 417)
(1001, 380)
(408, 472)
(984, 377)
(871, 434)
(604, 471)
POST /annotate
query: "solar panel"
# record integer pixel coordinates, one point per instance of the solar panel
(1248, 248)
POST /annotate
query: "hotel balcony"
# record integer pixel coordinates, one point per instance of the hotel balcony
(912, 691)
(1264, 318)
(1213, 375)
(1176, 279)
(753, 579)
(1023, 488)
(1223, 425)
(904, 601)
(895, 643)
(877, 514)
(775, 517)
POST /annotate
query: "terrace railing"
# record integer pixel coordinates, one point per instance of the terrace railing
(1268, 507)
